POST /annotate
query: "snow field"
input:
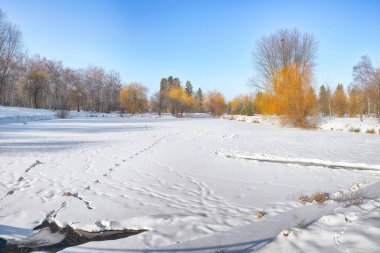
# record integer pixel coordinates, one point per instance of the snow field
(168, 175)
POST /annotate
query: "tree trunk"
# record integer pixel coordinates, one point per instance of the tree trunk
(36, 98)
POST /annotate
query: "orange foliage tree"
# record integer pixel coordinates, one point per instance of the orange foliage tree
(293, 96)
(215, 103)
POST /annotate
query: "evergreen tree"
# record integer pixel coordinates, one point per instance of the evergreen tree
(324, 98)
(163, 84)
(170, 81)
(199, 100)
(189, 88)
(176, 82)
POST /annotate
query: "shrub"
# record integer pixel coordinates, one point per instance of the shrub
(370, 131)
(352, 198)
(63, 114)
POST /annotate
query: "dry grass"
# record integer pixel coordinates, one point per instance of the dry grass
(259, 215)
(318, 197)
(370, 131)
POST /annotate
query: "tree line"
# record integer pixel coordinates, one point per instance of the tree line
(172, 98)
(42, 83)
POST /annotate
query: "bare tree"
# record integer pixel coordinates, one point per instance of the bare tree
(366, 81)
(281, 50)
(110, 92)
(10, 43)
(377, 91)
(76, 92)
(12, 92)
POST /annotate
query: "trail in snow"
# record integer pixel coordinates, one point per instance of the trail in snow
(301, 161)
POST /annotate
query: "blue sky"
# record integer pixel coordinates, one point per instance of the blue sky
(208, 42)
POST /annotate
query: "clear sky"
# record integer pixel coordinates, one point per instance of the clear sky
(208, 42)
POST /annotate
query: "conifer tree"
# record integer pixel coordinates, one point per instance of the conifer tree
(189, 88)
(199, 100)
(323, 101)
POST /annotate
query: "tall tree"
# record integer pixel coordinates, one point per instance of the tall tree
(284, 61)
(10, 44)
(365, 80)
(280, 50)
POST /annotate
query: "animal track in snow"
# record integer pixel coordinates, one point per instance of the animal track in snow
(33, 165)
(20, 180)
(54, 213)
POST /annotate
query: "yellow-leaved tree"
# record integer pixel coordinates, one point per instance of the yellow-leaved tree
(215, 103)
(133, 98)
(180, 101)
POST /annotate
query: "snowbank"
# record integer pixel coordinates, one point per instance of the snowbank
(19, 114)
(367, 125)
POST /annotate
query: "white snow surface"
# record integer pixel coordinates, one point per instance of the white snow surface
(351, 124)
(355, 125)
(190, 183)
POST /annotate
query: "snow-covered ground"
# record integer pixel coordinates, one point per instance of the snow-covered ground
(195, 183)
(351, 124)
(20, 114)
(366, 125)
